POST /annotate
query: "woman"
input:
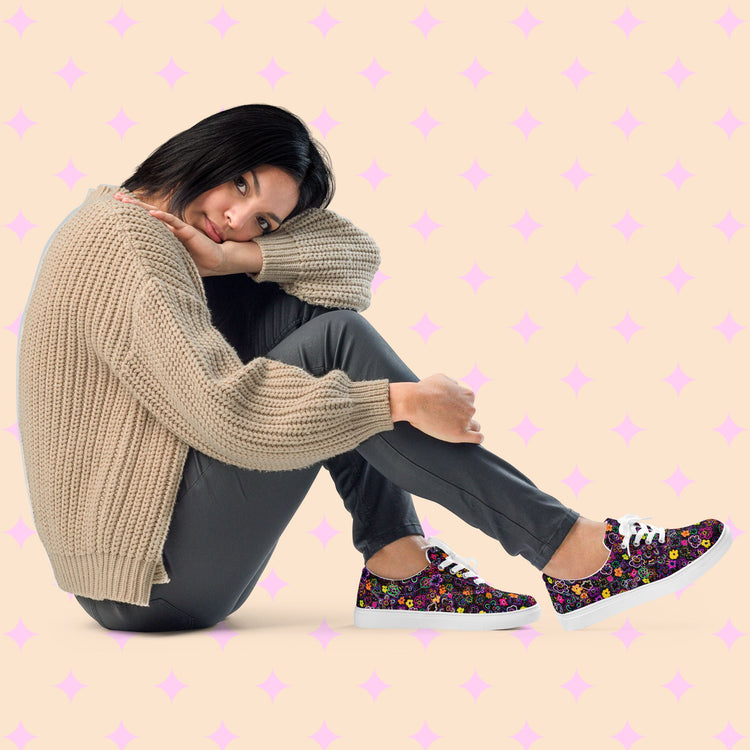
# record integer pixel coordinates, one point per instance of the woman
(192, 353)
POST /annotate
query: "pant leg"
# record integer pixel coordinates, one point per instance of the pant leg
(227, 520)
(481, 488)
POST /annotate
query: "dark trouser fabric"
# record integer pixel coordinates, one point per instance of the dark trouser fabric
(227, 520)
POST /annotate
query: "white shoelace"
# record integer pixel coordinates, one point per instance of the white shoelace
(632, 526)
(459, 563)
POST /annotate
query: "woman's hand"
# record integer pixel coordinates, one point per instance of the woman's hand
(209, 256)
(438, 406)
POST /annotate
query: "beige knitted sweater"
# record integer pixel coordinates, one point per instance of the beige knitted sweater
(120, 371)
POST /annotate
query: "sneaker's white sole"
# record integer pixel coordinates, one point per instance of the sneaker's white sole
(601, 610)
(405, 618)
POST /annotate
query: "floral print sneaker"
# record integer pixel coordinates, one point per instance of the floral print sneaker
(448, 594)
(645, 562)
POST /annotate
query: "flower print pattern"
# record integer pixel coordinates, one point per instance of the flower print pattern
(436, 590)
(646, 562)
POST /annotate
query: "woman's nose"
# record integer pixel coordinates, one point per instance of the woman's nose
(237, 216)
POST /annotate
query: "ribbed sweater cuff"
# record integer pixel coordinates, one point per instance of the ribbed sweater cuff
(372, 406)
(105, 576)
(282, 259)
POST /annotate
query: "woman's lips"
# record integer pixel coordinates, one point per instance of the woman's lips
(211, 231)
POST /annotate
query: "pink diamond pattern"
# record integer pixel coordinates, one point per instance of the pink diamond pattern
(70, 685)
(424, 22)
(627, 429)
(526, 225)
(736, 531)
(324, 736)
(324, 634)
(729, 429)
(425, 226)
(425, 635)
(475, 174)
(729, 736)
(20, 21)
(729, 327)
(378, 279)
(272, 685)
(425, 328)
(121, 22)
(425, 736)
(70, 73)
(171, 686)
(729, 22)
(526, 429)
(20, 736)
(678, 379)
(171, 72)
(475, 685)
(526, 123)
(576, 685)
(576, 481)
(677, 685)
(576, 73)
(729, 634)
(527, 327)
(324, 122)
(13, 429)
(627, 634)
(70, 175)
(272, 584)
(324, 532)
(121, 737)
(20, 532)
(678, 73)
(729, 225)
(475, 278)
(678, 174)
(627, 736)
(121, 123)
(576, 379)
(222, 633)
(576, 174)
(374, 73)
(475, 379)
(374, 686)
(627, 327)
(576, 277)
(526, 634)
(20, 634)
(526, 735)
(20, 123)
(678, 481)
(324, 22)
(121, 637)
(374, 174)
(729, 123)
(425, 122)
(273, 73)
(475, 72)
(428, 528)
(526, 22)
(678, 278)
(222, 736)
(627, 22)
(222, 22)
(627, 225)
(627, 123)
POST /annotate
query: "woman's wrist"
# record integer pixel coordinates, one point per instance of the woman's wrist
(242, 257)
(402, 397)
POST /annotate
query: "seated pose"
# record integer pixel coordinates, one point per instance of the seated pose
(192, 352)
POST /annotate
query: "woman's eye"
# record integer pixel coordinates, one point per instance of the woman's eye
(264, 225)
(241, 184)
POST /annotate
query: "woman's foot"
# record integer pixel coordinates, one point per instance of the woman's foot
(582, 552)
(400, 559)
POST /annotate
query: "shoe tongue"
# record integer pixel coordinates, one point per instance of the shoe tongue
(436, 555)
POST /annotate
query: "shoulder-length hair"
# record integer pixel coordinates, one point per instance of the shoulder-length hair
(230, 143)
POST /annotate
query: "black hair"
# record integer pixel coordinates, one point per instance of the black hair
(228, 144)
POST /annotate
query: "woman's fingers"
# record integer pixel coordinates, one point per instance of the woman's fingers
(170, 219)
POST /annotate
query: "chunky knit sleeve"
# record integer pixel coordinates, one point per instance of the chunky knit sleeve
(322, 258)
(264, 415)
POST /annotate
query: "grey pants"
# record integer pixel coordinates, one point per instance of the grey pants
(227, 520)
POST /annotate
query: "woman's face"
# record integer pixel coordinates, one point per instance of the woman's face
(245, 207)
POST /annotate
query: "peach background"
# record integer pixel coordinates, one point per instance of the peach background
(527, 698)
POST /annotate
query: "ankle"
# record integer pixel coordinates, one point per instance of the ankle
(402, 558)
(582, 552)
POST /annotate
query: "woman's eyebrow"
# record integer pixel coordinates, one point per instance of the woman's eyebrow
(257, 192)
